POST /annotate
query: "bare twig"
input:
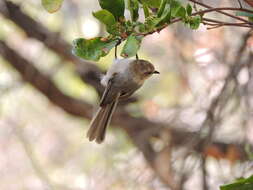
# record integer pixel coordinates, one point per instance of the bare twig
(220, 11)
(211, 119)
(245, 23)
(52, 41)
(249, 2)
(240, 4)
(204, 173)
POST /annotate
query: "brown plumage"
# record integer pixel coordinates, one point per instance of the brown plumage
(121, 81)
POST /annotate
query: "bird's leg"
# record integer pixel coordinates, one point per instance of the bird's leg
(115, 53)
(137, 57)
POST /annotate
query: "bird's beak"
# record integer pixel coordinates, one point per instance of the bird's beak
(156, 72)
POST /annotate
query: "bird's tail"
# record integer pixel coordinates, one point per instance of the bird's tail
(100, 122)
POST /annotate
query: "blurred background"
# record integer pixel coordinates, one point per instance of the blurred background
(191, 127)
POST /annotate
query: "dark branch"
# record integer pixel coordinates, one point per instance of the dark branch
(41, 82)
(52, 40)
(88, 72)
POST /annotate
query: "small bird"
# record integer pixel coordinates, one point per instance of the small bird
(123, 78)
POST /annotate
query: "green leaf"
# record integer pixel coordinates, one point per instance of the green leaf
(51, 5)
(177, 10)
(236, 186)
(145, 10)
(93, 49)
(249, 179)
(240, 184)
(152, 3)
(106, 18)
(133, 6)
(161, 8)
(194, 22)
(248, 151)
(240, 187)
(189, 9)
(165, 18)
(131, 46)
(174, 6)
(150, 23)
(116, 7)
(181, 12)
(246, 14)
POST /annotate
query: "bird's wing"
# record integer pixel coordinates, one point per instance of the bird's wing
(126, 95)
(111, 92)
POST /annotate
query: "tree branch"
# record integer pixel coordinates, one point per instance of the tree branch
(88, 71)
(245, 23)
(52, 40)
(220, 11)
(249, 2)
(41, 82)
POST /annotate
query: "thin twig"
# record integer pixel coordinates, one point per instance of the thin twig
(220, 11)
(216, 23)
(240, 4)
(204, 173)
(211, 9)
(225, 24)
(222, 22)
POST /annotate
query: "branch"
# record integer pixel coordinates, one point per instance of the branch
(212, 117)
(220, 11)
(134, 127)
(52, 40)
(204, 173)
(249, 2)
(245, 23)
(41, 82)
(88, 72)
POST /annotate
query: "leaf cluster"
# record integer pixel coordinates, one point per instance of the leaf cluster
(158, 14)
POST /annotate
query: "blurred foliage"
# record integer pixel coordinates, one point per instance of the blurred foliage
(51, 5)
(49, 146)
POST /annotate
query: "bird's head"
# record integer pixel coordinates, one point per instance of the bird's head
(143, 69)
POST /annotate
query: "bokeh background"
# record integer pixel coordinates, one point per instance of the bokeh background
(191, 127)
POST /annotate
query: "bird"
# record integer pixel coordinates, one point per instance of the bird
(122, 79)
